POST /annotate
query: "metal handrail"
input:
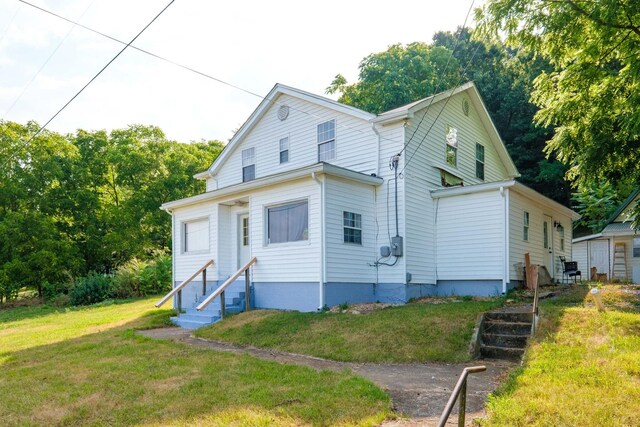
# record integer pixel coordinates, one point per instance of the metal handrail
(220, 291)
(178, 289)
(459, 390)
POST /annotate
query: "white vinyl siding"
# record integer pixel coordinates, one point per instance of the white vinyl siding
(518, 204)
(286, 262)
(356, 142)
(187, 263)
(470, 237)
(349, 262)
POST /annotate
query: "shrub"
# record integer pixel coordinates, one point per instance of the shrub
(91, 289)
(139, 278)
(53, 290)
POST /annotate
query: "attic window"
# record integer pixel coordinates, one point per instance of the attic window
(248, 164)
(327, 141)
(284, 150)
(451, 148)
(480, 161)
(449, 180)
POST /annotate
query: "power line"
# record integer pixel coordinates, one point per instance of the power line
(441, 110)
(86, 85)
(44, 64)
(464, 24)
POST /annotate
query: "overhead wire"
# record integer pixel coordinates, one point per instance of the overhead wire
(191, 69)
(44, 64)
(25, 144)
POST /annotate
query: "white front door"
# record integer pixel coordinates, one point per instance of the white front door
(244, 248)
(598, 257)
(547, 244)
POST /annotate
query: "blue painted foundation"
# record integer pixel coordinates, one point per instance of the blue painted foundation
(480, 288)
(301, 296)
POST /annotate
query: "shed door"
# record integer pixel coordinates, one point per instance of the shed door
(598, 257)
(547, 244)
(244, 248)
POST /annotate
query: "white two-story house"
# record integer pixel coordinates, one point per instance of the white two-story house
(339, 205)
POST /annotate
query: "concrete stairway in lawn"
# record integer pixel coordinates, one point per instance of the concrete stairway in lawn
(235, 302)
(504, 333)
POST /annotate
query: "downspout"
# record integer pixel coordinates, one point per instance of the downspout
(375, 130)
(505, 258)
(323, 266)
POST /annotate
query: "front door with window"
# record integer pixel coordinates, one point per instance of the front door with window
(244, 248)
(547, 244)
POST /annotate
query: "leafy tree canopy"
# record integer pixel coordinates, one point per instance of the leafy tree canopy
(398, 76)
(591, 98)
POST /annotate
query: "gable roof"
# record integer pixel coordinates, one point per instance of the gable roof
(263, 107)
(623, 206)
(408, 111)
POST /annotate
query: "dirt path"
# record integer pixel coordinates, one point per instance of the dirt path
(419, 391)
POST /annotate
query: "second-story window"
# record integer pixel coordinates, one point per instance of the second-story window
(284, 150)
(248, 164)
(327, 141)
(451, 148)
(480, 161)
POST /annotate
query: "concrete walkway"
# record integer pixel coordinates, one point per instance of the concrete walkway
(418, 390)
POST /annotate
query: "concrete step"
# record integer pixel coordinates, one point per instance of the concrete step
(505, 353)
(199, 317)
(507, 328)
(506, 316)
(188, 324)
(502, 340)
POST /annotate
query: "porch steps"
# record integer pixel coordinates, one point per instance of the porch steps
(235, 302)
(504, 333)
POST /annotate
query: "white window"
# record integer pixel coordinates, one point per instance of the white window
(636, 247)
(195, 236)
(288, 223)
(561, 234)
(525, 228)
(248, 164)
(352, 230)
(284, 150)
(480, 161)
(327, 141)
(451, 148)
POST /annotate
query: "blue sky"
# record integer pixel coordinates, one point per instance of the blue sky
(251, 44)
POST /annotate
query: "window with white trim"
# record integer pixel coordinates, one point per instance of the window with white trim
(636, 247)
(288, 223)
(284, 150)
(525, 228)
(480, 161)
(327, 141)
(248, 164)
(352, 227)
(561, 234)
(195, 236)
(451, 146)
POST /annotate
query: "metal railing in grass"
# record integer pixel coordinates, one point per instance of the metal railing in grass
(459, 390)
(178, 289)
(220, 291)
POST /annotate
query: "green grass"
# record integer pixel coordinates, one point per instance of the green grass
(414, 332)
(583, 368)
(88, 367)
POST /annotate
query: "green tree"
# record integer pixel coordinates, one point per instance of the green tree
(398, 76)
(591, 96)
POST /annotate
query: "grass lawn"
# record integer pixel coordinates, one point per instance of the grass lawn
(87, 367)
(582, 369)
(415, 332)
